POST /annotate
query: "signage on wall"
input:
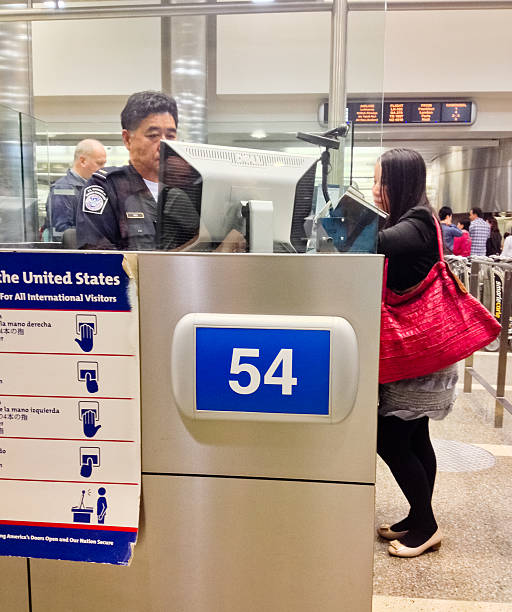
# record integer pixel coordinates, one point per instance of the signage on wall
(69, 406)
(411, 112)
(407, 112)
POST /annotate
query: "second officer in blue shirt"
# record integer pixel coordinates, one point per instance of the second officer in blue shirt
(64, 196)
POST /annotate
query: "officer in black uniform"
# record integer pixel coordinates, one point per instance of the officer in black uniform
(119, 205)
(64, 196)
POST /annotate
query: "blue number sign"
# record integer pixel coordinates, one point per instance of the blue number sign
(259, 370)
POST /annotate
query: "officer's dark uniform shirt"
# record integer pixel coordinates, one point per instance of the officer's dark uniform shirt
(64, 199)
(117, 211)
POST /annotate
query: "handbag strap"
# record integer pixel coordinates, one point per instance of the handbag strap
(439, 238)
(384, 278)
(439, 245)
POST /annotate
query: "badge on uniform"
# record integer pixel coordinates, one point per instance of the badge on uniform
(134, 215)
(94, 199)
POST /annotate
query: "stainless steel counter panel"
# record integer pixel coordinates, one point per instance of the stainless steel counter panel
(172, 285)
(480, 177)
(14, 589)
(229, 545)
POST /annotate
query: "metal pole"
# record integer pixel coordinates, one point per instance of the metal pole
(22, 167)
(337, 87)
(165, 53)
(502, 358)
(174, 10)
(430, 5)
(232, 8)
(473, 289)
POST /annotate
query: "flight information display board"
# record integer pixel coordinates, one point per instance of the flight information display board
(410, 112)
(424, 112)
(365, 112)
(456, 112)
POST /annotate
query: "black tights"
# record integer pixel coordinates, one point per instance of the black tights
(406, 448)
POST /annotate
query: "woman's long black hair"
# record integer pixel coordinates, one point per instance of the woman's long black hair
(404, 177)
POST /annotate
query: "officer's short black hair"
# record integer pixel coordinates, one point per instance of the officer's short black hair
(144, 103)
(444, 212)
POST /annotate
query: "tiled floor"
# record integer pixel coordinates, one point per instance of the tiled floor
(473, 569)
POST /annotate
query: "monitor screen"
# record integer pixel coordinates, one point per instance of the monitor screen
(204, 191)
(351, 226)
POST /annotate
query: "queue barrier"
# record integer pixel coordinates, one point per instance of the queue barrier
(490, 281)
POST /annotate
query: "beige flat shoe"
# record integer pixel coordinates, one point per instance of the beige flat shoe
(387, 533)
(397, 549)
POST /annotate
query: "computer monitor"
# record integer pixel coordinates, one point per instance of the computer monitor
(352, 226)
(211, 195)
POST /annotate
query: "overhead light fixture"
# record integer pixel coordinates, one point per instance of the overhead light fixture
(259, 134)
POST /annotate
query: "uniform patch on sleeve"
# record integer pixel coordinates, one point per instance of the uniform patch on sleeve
(94, 200)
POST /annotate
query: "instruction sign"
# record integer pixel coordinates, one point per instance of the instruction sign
(69, 406)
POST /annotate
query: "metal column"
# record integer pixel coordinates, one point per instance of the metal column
(337, 87)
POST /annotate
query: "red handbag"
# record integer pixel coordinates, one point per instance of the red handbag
(432, 325)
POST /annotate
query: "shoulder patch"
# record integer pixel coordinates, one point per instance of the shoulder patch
(104, 173)
(94, 199)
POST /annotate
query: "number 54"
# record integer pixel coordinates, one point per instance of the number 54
(284, 357)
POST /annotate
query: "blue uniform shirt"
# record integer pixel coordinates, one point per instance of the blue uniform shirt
(63, 200)
(117, 211)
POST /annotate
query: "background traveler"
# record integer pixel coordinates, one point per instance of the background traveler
(479, 231)
(493, 244)
(450, 231)
(64, 196)
(462, 244)
(507, 247)
(409, 241)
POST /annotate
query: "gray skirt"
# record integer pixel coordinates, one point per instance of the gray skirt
(432, 395)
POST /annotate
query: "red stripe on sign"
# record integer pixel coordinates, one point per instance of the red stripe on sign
(70, 526)
(84, 397)
(63, 309)
(71, 481)
(75, 354)
(61, 439)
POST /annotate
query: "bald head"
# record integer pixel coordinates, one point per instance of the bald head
(90, 155)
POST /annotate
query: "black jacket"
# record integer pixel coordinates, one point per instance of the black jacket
(117, 211)
(493, 244)
(411, 247)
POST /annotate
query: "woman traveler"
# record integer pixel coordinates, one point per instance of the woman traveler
(493, 244)
(507, 246)
(462, 244)
(409, 241)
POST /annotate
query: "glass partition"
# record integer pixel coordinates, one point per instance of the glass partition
(11, 180)
(23, 191)
(256, 96)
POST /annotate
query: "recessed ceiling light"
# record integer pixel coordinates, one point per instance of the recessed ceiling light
(259, 134)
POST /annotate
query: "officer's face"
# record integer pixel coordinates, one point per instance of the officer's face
(143, 143)
(92, 162)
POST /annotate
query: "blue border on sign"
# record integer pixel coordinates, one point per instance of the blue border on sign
(310, 366)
